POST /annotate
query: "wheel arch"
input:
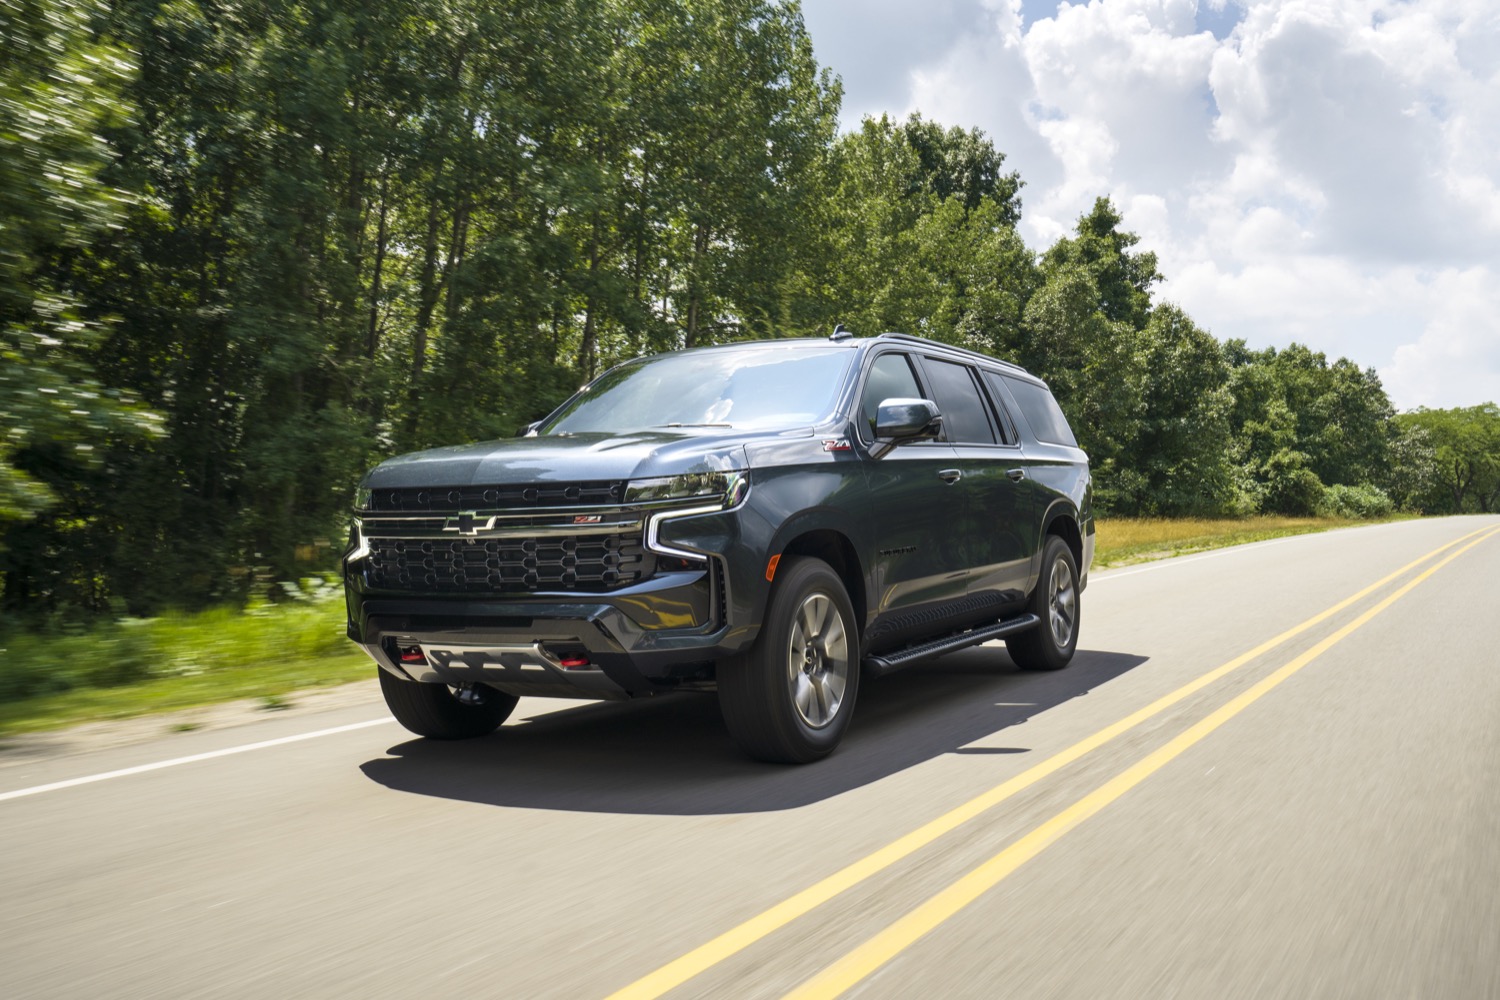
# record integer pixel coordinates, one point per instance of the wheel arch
(1063, 522)
(834, 548)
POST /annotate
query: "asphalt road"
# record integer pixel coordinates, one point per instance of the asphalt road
(1168, 817)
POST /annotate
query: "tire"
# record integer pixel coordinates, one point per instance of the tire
(1050, 646)
(438, 713)
(786, 699)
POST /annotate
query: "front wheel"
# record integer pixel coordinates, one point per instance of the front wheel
(439, 712)
(1051, 644)
(789, 697)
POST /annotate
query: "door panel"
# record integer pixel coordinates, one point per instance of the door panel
(921, 560)
(920, 566)
(996, 518)
(1002, 525)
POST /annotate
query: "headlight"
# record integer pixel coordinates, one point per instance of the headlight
(362, 498)
(726, 485)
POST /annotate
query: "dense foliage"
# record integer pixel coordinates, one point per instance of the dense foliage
(249, 248)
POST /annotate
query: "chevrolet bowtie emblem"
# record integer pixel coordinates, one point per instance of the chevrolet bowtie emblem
(468, 523)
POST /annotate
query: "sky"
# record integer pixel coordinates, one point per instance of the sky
(1319, 171)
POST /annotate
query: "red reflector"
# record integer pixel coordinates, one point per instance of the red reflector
(574, 661)
(412, 655)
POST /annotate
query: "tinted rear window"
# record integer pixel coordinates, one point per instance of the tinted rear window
(954, 391)
(1041, 412)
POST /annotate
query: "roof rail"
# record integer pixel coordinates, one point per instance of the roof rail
(926, 342)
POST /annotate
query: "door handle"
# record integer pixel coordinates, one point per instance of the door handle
(1016, 474)
(950, 476)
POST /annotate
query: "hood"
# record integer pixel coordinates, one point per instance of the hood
(571, 459)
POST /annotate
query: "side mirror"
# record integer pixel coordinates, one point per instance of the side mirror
(898, 421)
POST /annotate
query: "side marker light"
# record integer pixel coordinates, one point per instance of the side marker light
(771, 567)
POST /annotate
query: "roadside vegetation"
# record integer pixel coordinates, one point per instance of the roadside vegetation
(113, 669)
(1122, 541)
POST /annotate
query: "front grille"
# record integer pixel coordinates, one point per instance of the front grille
(587, 562)
(452, 499)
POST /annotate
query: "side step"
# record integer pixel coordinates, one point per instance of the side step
(887, 662)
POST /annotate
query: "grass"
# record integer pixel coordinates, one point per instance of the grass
(1122, 541)
(134, 667)
(264, 681)
(137, 667)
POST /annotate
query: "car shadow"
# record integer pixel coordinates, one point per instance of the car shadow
(672, 756)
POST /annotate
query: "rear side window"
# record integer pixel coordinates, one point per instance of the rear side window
(890, 378)
(1041, 412)
(957, 396)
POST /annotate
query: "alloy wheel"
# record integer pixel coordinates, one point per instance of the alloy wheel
(818, 660)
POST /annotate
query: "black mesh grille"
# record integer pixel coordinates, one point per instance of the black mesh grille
(451, 499)
(589, 562)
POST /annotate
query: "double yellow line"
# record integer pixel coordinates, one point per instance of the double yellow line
(878, 950)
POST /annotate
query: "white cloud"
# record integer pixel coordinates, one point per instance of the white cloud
(1320, 170)
(875, 45)
(1458, 353)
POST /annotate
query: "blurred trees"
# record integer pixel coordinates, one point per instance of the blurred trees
(60, 87)
(246, 250)
(299, 235)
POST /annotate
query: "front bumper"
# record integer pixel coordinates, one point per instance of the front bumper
(662, 634)
(655, 614)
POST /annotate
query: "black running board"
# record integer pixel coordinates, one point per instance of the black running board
(887, 662)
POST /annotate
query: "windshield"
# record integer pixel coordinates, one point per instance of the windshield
(744, 389)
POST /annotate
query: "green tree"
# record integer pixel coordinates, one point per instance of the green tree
(1083, 333)
(59, 89)
(961, 163)
(983, 274)
(1411, 473)
(755, 116)
(920, 237)
(1096, 368)
(1465, 445)
(1297, 418)
(870, 280)
(1182, 451)
(1123, 278)
(1342, 414)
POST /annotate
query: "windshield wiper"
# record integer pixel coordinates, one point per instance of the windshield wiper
(695, 425)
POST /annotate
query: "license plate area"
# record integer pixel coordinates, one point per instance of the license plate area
(517, 661)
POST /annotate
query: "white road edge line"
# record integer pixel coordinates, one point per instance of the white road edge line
(175, 761)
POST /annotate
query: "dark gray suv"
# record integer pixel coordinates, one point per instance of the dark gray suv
(769, 520)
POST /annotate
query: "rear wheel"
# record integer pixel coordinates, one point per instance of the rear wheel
(439, 712)
(1051, 644)
(788, 699)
